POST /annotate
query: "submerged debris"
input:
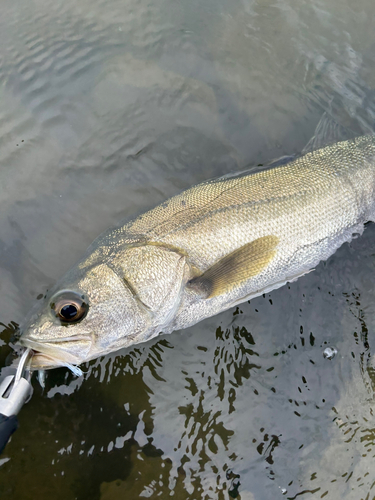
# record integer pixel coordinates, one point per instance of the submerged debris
(329, 352)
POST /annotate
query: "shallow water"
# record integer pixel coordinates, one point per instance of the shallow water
(108, 108)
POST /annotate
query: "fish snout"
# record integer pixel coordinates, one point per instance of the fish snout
(53, 354)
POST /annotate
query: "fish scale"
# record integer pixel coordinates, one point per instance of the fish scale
(250, 200)
(209, 248)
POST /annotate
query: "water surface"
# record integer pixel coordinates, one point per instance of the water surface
(109, 107)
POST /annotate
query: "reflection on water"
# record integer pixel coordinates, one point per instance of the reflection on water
(108, 108)
(228, 411)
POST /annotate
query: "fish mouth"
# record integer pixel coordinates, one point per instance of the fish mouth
(56, 354)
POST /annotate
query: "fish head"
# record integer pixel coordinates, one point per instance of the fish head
(103, 305)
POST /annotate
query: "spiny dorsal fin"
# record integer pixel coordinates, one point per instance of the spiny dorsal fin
(237, 267)
(327, 132)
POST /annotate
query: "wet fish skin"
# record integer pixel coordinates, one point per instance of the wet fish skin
(207, 249)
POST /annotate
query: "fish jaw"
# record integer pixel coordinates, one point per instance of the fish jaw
(48, 355)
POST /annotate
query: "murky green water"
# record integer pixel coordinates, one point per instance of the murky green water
(109, 107)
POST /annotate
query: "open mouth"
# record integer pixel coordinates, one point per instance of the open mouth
(64, 352)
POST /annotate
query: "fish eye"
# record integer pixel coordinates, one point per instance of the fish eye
(69, 307)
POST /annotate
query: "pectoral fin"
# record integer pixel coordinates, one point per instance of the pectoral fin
(237, 267)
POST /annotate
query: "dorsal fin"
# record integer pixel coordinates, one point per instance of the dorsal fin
(327, 132)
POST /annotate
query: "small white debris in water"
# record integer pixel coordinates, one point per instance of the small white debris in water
(329, 352)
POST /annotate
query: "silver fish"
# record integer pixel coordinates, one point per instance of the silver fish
(205, 250)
